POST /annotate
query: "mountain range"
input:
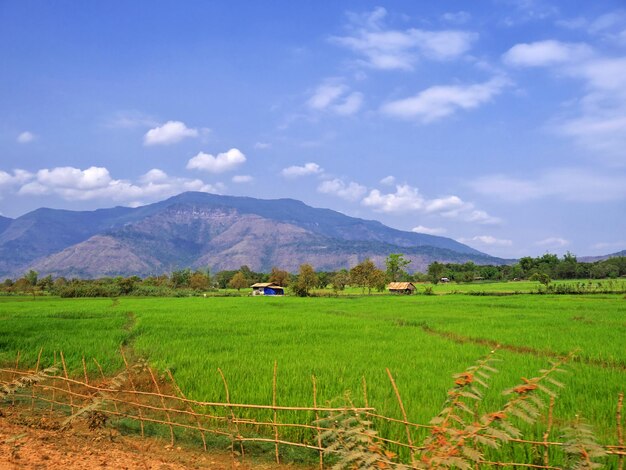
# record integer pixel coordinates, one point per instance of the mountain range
(201, 230)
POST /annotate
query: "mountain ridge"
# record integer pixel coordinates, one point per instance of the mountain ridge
(200, 230)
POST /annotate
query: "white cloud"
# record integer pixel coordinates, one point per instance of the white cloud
(389, 49)
(169, 133)
(154, 176)
(546, 53)
(437, 102)
(131, 120)
(407, 198)
(597, 120)
(609, 27)
(18, 177)
(350, 105)
(69, 177)
(459, 17)
(225, 161)
(96, 183)
(304, 170)
(486, 240)
(609, 245)
(26, 137)
(350, 191)
(325, 95)
(429, 230)
(262, 145)
(553, 242)
(242, 179)
(600, 123)
(568, 184)
(388, 180)
(335, 97)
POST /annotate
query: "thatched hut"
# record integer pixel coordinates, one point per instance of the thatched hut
(401, 287)
(267, 288)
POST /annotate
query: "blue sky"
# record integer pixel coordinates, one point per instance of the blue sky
(501, 124)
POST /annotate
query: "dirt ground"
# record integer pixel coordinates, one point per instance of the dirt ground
(38, 442)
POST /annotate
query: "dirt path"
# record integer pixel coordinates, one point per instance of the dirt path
(28, 442)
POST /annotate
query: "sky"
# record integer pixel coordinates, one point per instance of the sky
(500, 124)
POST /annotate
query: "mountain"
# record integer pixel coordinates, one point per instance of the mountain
(4, 223)
(222, 232)
(593, 259)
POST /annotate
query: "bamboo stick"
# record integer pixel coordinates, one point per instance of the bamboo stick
(406, 421)
(132, 384)
(275, 413)
(167, 414)
(32, 400)
(620, 430)
(546, 453)
(232, 414)
(180, 392)
(85, 371)
(17, 365)
(317, 423)
(69, 388)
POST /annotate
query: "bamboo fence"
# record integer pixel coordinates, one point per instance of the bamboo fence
(138, 395)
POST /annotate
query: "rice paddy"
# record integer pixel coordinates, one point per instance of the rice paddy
(423, 340)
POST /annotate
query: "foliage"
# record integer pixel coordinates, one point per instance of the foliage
(307, 280)
(280, 277)
(542, 278)
(395, 263)
(567, 267)
(367, 276)
(238, 281)
(435, 271)
(340, 280)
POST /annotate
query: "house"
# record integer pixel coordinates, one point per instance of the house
(401, 287)
(267, 288)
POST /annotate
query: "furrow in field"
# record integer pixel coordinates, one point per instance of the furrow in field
(461, 339)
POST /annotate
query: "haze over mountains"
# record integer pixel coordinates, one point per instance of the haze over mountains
(201, 230)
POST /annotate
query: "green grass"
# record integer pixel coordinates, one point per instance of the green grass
(423, 340)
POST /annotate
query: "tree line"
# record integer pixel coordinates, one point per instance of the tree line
(365, 276)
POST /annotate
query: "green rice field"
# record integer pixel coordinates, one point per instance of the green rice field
(423, 340)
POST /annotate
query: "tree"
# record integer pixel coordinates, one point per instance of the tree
(238, 281)
(396, 262)
(323, 280)
(45, 283)
(366, 275)
(378, 280)
(31, 276)
(340, 280)
(435, 271)
(307, 280)
(543, 278)
(181, 278)
(280, 277)
(199, 281)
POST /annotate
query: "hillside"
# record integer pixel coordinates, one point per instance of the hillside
(202, 230)
(593, 259)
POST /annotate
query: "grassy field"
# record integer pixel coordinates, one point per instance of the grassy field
(423, 340)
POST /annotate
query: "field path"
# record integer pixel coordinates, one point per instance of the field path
(461, 339)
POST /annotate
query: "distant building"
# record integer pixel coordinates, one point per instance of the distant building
(267, 288)
(401, 287)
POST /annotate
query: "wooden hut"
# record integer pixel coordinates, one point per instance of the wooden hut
(401, 287)
(267, 288)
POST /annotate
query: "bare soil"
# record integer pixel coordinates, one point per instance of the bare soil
(39, 442)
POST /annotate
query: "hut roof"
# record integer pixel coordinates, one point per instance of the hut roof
(400, 286)
(266, 284)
